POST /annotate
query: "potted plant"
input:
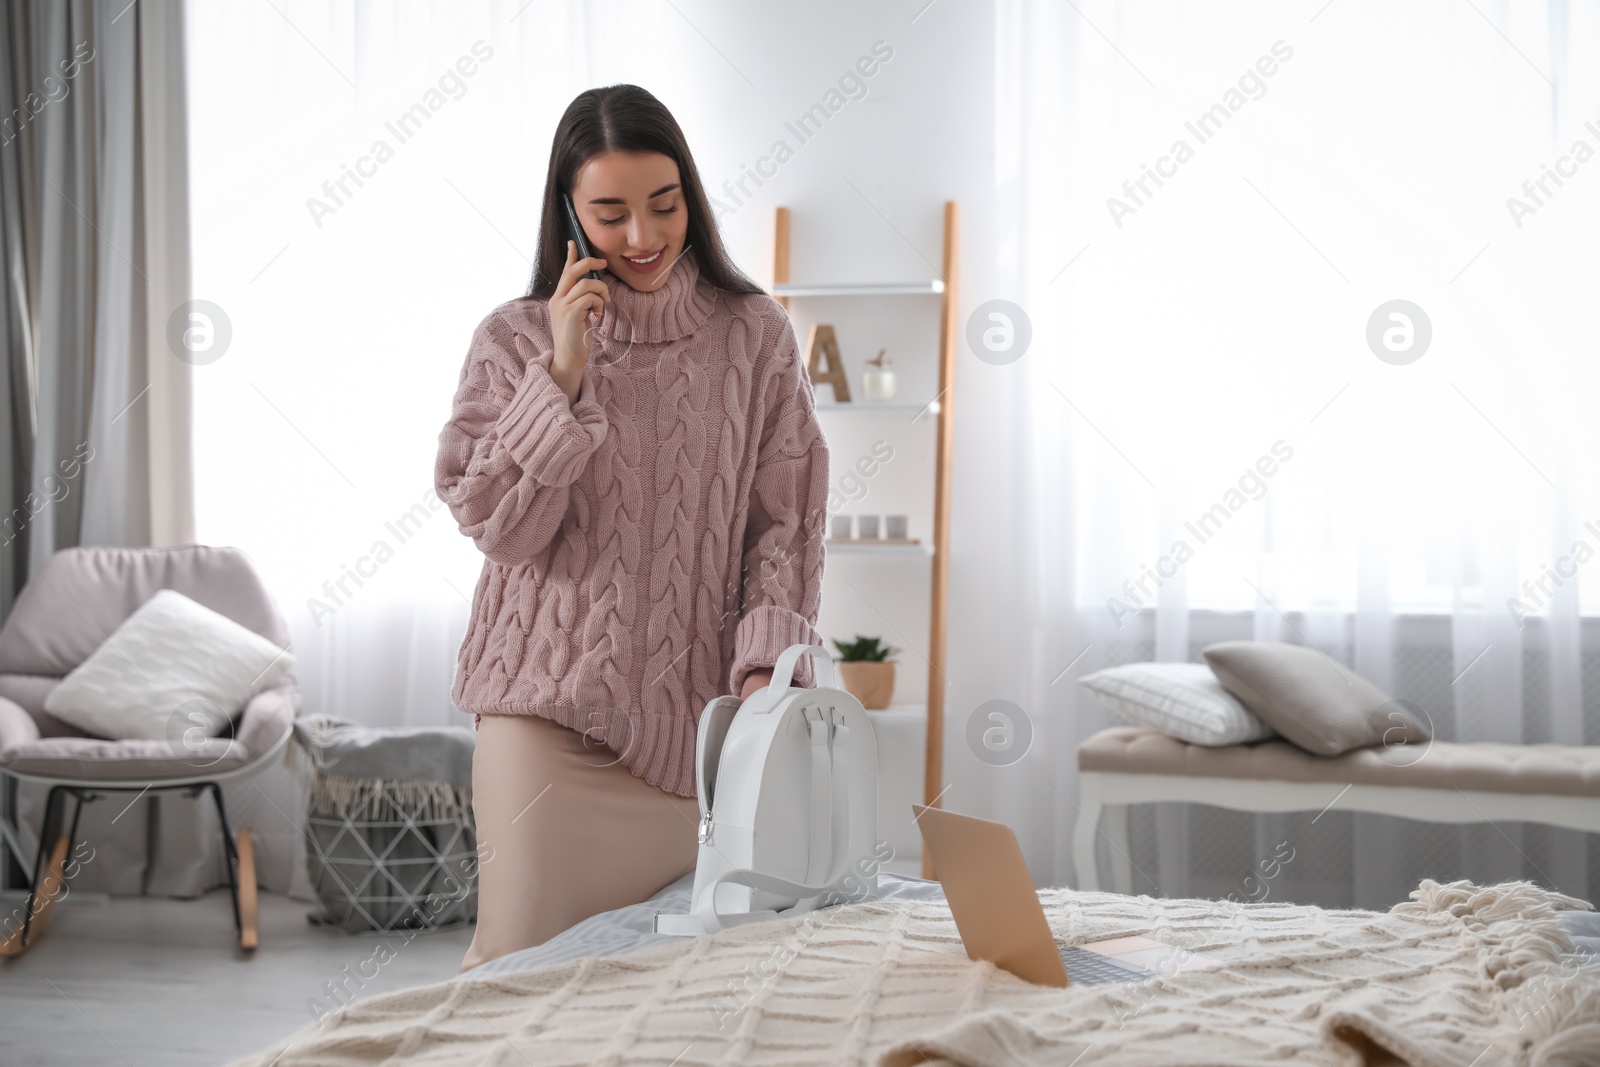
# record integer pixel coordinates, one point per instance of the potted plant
(867, 673)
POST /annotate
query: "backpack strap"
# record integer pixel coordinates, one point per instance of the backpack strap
(703, 918)
(809, 893)
(820, 855)
(678, 924)
(832, 762)
(783, 674)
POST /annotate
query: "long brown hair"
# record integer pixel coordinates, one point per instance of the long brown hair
(626, 118)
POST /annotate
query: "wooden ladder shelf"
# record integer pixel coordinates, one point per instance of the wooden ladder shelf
(939, 589)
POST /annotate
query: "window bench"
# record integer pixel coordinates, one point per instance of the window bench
(1441, 781)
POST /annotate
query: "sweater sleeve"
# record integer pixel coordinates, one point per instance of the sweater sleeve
(783, 541)
(513, 445)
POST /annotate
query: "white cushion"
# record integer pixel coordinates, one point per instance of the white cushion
(1182, 700)
(173, 666)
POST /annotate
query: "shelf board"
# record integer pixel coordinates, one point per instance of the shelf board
(880, 546)
(879, 405)
(900, 712)
(928, 288)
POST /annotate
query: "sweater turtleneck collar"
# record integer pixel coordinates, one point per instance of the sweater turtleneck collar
(676, 309)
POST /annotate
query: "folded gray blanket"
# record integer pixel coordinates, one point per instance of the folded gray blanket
(395, 754)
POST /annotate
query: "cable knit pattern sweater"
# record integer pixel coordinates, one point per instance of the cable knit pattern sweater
(651, 543)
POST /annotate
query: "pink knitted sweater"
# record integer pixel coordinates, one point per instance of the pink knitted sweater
(651, 543)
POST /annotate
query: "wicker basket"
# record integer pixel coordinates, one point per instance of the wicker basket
(391, 855)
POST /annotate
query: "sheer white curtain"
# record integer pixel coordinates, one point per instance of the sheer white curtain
(352, 274)
(1226, 313)
(366, 189)
(1200, 348)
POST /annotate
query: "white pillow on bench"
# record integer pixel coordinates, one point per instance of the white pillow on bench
(1182, 700)
(173, 666)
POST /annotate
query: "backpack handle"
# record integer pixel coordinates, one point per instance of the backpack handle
(783, 670)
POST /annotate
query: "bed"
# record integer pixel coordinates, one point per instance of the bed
(1460, 976)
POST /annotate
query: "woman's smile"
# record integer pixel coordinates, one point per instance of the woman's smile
(648, 263)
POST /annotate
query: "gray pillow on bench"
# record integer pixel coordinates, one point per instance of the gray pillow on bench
(1322, 706)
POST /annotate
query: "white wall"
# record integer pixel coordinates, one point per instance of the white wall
(866, 196)
(324, 314)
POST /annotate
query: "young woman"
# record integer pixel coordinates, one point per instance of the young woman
(638, 458)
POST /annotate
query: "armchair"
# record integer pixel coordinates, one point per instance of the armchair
(63, 614)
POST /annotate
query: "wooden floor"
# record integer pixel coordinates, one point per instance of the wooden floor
(155, 982)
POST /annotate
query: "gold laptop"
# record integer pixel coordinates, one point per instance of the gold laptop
(1000, 919)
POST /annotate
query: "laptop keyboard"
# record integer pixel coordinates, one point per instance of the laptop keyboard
(1091, 968)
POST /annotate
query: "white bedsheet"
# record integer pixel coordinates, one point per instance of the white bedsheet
(612, 933)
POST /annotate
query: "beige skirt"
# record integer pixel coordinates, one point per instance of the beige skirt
(564, 832)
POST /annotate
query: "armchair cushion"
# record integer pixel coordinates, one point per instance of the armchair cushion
(16, 726)
(173, 672)
(266, 720)
(89, 758)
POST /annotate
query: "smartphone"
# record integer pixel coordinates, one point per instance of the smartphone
(575, 233)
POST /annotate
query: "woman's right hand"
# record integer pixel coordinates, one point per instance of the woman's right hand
(575, 309)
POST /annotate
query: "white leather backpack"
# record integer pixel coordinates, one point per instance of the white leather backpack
(788, 786)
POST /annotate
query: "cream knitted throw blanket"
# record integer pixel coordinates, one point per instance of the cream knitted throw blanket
(1462, 976)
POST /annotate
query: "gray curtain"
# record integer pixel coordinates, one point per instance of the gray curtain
(95, 420)
(93, 165)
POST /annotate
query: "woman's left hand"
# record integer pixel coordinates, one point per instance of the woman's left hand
(753, 681)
